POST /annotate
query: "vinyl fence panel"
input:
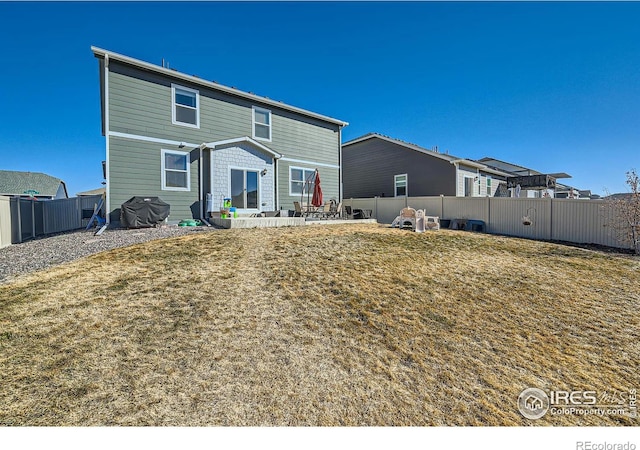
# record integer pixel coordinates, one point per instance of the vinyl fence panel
(557, 219)
(586, 222)
(31, 218)
(506, 216)
(476, 208)
(5, 221)
(432, 206)
(62, 215)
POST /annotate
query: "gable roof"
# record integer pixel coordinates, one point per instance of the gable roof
(18, 183)
(405, 144)
(98, 191)
(241, 140)
(102, 53)
(445, 156)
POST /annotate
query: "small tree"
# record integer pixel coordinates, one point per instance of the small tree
(626, 213)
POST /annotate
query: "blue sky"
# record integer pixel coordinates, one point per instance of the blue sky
(551, 86)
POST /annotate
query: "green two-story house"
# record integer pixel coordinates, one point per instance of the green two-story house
(180, 138)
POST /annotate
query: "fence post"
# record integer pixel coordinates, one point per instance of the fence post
(33, 219)
(45, 222)
(375, 207)
(19, 221)
(79, 212)
(488, 214)
(550, 219)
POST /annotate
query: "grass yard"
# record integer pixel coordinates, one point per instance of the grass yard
(339, 325)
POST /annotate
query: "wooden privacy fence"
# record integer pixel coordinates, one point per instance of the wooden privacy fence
(554, 219)
(31, 218)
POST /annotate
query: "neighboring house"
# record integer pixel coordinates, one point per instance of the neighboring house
(180, 137)
(31, 184)
(99, 191)
(375, 165)
(560, 190)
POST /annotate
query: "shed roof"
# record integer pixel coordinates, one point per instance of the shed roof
(21, 183)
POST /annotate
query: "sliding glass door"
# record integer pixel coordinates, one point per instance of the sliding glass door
(244, 189)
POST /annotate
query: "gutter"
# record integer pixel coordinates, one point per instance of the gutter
(218, 87)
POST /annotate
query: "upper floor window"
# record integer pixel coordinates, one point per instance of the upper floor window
(261, 124)
(489, 187)
(401, 185)
(175, 171)
(185, 106)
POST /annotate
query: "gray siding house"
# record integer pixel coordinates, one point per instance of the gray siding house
(180, 137)
(375, 165)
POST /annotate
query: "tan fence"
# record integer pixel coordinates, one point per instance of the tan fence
(555, 219)
(5, 221)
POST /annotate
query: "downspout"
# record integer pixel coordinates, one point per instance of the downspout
(200, 193)
(201, 189)
(340, 163)
(106, 134)
(275, 183)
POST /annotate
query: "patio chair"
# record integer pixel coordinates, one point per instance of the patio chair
(348, 212)
(336, 213)
(408, 218)
(323, 212)
(297, 210)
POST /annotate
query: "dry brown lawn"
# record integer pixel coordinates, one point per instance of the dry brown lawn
(340, 325)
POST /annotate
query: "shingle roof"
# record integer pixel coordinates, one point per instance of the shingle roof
(99, 191)
(19, 183)
(101, 53)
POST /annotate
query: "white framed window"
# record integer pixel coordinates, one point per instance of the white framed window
(488, 186)
(244, 187)
(185, 106)
(261, 123)
(297, 179)
(401, 184)
(176, 175)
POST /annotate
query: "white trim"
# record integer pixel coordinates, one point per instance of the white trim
(107, 187)
(304, 178)
(137, 137)
(464, 185)
(253, 123)
(276, 177)
(406, 185)
(163, 177)
(99, 52)
(259, 178)
(245, 139)
(311, 163)
(174, 104)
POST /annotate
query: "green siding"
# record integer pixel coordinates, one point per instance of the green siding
(140, 104)
(329, 181)
(135, 169)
